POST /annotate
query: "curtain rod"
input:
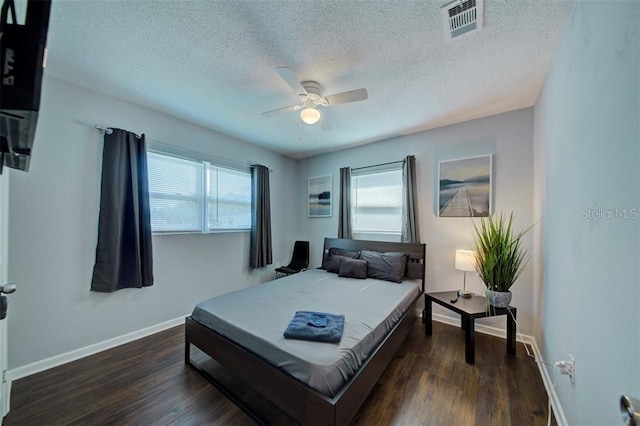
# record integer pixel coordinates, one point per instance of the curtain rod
(378, 165)
(109, 130)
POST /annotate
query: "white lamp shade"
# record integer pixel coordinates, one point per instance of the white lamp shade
(310, 115)
(465, 260)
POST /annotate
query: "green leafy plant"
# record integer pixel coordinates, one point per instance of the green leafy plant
(500, 258)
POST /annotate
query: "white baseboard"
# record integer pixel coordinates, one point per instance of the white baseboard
(526, 339)
(558, 411)
(54, 361)
(481, 328)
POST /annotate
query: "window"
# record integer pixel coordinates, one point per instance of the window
(175, 193)
(228, 198)
(376, 200)
(196, 196)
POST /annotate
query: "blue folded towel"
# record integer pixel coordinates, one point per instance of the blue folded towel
(316, 327)
(318, 320)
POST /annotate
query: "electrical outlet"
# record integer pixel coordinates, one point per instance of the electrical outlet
(567, 368)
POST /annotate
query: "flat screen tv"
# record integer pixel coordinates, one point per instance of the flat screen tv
(22, 56)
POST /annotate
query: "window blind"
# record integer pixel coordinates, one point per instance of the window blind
(376, 200)
(228, 198)
(196, 196)
(175, 192)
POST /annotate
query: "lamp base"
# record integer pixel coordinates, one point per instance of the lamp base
(465, 293)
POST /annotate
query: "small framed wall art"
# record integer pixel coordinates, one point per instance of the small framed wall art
(464, 187)
(320, 189)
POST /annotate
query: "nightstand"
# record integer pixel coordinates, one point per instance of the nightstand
(470, 309)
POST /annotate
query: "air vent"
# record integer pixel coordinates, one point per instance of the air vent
(462, 17)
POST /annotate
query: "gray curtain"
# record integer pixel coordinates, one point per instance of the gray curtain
(344, 214)
(261, 254)
(410, 226)
(124, 257)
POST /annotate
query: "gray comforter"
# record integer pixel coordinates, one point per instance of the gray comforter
(256, 318)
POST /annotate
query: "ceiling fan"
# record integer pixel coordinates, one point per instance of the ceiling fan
(311, 99)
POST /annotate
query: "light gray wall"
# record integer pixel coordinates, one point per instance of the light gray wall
(587, 146)
(53, 219)
(509, 137)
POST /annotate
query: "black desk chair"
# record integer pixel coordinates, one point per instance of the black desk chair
(299, 260)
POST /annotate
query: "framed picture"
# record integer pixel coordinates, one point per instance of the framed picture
(320, 196)
(464, 187)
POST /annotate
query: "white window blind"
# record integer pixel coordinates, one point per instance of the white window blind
(228, 198)
(195, 196)
(376, 199)
(175, 192)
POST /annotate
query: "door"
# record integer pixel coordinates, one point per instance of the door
(5, 384)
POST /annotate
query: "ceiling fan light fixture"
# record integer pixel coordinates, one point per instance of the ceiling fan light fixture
(310, 115)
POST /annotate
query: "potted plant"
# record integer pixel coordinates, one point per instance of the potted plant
(500, 258)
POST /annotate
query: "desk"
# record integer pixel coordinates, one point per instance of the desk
(470, 309)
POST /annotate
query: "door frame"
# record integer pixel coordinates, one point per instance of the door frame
(5, 381)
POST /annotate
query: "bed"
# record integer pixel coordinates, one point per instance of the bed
(314, 383)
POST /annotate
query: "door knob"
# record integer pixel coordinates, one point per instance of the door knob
(630, 410)
(8, 288)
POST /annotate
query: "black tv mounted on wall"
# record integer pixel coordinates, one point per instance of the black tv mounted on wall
(22, 56)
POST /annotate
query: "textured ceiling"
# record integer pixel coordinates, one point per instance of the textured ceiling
(213, 62)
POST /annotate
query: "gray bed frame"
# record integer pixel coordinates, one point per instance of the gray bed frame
(298, 400)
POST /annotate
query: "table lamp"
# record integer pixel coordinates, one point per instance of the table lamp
(465, 261)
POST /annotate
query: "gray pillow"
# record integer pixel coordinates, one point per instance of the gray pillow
(353, 268)
(332, 261)
(385, 266)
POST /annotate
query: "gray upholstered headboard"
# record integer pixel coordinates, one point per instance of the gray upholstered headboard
(415, 265)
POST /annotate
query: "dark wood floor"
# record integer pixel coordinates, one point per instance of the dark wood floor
(147, 382)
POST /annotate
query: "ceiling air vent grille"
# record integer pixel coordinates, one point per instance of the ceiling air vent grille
(462, 17)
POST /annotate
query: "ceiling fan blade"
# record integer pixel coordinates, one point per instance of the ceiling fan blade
(275, 111)
(350, 96)
(291, 79)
